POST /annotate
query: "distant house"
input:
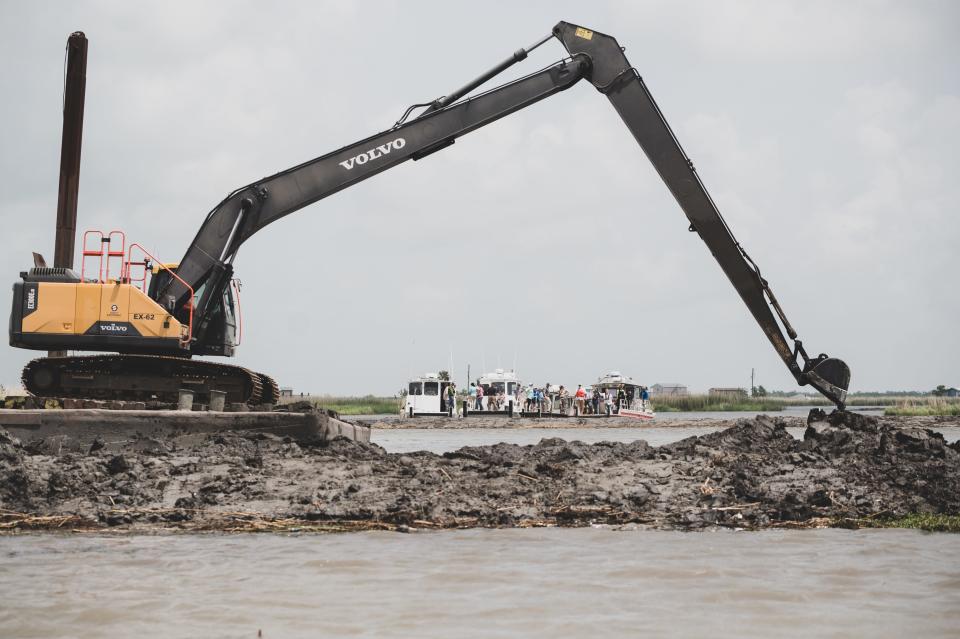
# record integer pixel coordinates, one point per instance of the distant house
(286, 392)
(668, 390)
(952, 392)
(728, 393)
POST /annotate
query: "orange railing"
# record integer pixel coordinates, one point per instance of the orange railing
(113, 253)
(92, 252)
(104, 251)
(145, 262)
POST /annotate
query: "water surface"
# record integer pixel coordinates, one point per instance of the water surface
(438, 440)
(484, 583)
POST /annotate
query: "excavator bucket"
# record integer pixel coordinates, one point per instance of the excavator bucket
(831, 376)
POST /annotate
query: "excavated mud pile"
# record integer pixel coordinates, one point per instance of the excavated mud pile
(752, 475)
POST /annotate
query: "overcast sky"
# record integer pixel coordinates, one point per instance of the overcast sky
(826, 132)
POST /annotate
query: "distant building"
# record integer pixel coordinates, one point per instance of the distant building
(286, 392)
(952, 392)
(728, 393)
(668, 390)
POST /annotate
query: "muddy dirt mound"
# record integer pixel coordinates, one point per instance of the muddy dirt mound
(752, 475)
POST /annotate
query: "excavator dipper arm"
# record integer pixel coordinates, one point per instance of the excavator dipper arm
(595, 56)
(612, 75)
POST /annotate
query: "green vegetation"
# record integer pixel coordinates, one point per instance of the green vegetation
(366, 405)
(924, 407)
(894, 404)
(918, 521)
(858, 399)
(685, 403)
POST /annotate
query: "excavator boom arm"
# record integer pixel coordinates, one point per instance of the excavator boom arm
(249, 209)
(612, 75)
(594, 56)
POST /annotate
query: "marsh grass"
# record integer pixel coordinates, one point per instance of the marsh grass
(925, 406)
(686, 403)
(894, 405)
(366, 405)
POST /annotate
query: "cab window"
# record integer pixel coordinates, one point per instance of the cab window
(416, 388)
(431, 388)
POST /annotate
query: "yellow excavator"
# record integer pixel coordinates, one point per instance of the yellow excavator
(154, 317)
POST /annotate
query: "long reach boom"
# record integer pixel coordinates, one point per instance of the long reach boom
(197, 293)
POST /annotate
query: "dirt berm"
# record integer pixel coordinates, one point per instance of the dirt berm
(752, 475)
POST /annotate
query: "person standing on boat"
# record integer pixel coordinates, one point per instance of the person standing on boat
(452, 399)
(595, 400)
(581, 396)
(564, 397)
(621, 397)
(479, 405)
(472, 396)
(644, 396)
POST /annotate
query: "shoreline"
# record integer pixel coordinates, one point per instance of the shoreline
(753, 475)
(394, 422)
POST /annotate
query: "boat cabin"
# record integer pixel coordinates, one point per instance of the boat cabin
(427, 395)
(499, 382)
(612, 381)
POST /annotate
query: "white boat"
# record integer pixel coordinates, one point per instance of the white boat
(634, 406)
(500, 382)
(427, 395)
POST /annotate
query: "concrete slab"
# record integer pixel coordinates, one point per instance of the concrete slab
(77, 429)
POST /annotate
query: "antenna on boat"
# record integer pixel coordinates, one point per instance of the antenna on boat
(413, 349)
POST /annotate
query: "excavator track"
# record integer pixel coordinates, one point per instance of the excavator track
(144, 378)
(270, 393)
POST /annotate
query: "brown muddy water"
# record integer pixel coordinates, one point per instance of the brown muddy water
(588, 582)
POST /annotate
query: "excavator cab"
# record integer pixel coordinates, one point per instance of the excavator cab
(218, 332)
(219, 336)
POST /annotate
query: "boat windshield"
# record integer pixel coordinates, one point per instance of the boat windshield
(512, 386)
(431, 388)
(416, 388)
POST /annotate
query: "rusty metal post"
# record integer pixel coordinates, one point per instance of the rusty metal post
(74, 93)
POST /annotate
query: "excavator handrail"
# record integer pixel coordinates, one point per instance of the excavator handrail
(235, 284)
(125, 276)
(89, 252)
